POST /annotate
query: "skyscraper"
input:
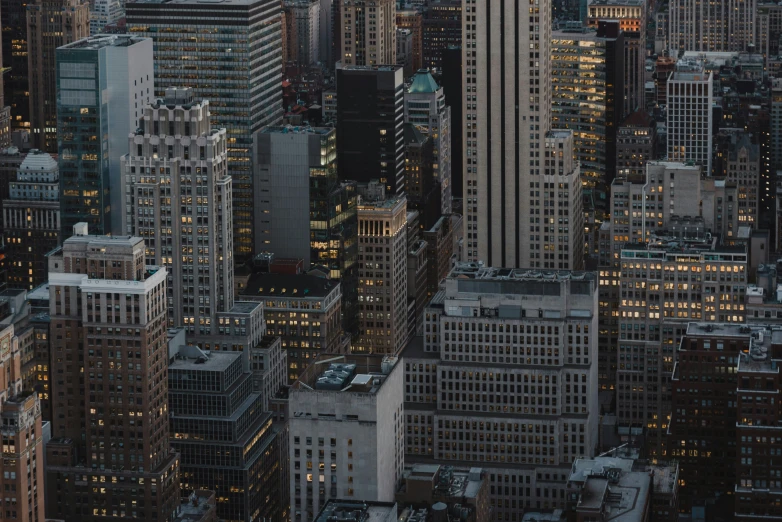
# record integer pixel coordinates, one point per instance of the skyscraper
(632, 21)
(14, 38)
(306, 17)
(110, 455)
(177, 197)
(509, 355)
(368, 32)
(412, 19)
(31, 220)
(238, 69)
(690, 98)
(105, 12)
(370, 125)
(50, 24)
(442, 28)
(426, 109)
(103, 85)
(5, 112)
(507, 111)
(727, 25)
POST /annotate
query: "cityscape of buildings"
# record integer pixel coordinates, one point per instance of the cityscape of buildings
(391, 260)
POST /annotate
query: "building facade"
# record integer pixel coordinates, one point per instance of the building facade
(690, 98)
(426, 109)
(177, 196)
(442, 29)
(109, 456)
(729, 25)
(346, 433)
(305, 15)
(103, 13)
(370, 125)
(382, 276)
(242, 83)
(31, 220)
(636, 144)
(103, 85)
(412, 20)
(50, 24)
(505, 378)
(368, 32)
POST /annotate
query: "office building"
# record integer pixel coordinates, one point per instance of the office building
(728, 25)
(14, 44)
(216, 411)
(382, 276)
(31, 220)
(632, 16)
(412, 20)
(177, 197)
(327, 26)
(442, 29)
(422, 189)
(368, 32)
(404, 51)
(504, 149)
(345, 432)
(103, 13)
(50, 24)
(241, 81)
(587, 79)
(757, 418)
(636, 143)
(439, 252)
(286, 160)
(737, 160)
(452, 80)
(690, 98)
(768, 28)
(23, 462)
(305, 15)
(776, 124)
(304, 311)
(5, 111)
(417, 274)
(505, 378)
(425, 108)
(370, 125)
(665, 284)
(465, 490)
(108, 453)
(103, 85)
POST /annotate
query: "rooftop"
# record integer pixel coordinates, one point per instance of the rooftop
(291, 129)
(609, 485)
(93, 43)
(338, 510)
(638, 119)
(38, 160)
(346, 373)
(472, 270)
(298, 286)
(195, 507)
(192, 359)
(423, 83)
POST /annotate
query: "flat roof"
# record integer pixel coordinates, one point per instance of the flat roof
(216, 362)
(293, 286)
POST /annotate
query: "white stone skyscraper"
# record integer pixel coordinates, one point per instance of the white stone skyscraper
(177, 197)
(711, 26)
(507, 115)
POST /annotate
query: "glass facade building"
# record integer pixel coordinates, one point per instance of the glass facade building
(231, 54)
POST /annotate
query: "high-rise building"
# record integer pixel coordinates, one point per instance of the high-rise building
(382, 276)
(452, 81)
(5, 111)
(306, 16)
(242, 83)
(103, 85)
(442, 28)
(507, 354)
(737, 160)
(23, 463)
(215, 410)
(633, 23)
(636, 142)
(665, 284)
(690, 98)
(426, 109)
(346, 432)
(370, 126)
(177, 197)
(776, 124)
(328, 25)
(50, 24)
(421, 187)
(507, 114)
(367, 32)
(412, 20)
(587, 83)
(31, 220)
(14, 43)
(110, 449)
(768, 28)
(304, 310)
(103, 13)
(728, 25)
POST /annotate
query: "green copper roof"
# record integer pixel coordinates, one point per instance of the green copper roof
(423, 82)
